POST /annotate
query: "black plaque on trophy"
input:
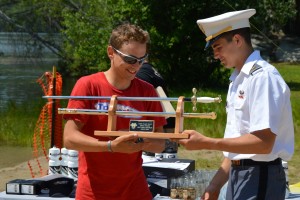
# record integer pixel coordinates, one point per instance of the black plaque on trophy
(141, 125)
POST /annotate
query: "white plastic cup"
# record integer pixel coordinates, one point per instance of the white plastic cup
(64, 161)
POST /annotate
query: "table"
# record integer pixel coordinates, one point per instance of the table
(4, 196)
(294, 196)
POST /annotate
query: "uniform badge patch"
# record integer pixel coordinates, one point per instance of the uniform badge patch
(241, 94)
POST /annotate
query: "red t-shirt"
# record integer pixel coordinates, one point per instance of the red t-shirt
(105, 175)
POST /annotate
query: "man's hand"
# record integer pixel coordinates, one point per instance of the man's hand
(211, 193)
(196, 141)
(126, 144)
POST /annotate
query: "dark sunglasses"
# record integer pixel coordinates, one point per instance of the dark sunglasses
(130, 59)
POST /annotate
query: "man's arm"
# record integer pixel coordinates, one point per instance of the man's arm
(75, 139)
(221, 177)
(258, 142)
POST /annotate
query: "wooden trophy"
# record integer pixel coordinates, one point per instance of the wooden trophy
(179, 118)
(112, 113)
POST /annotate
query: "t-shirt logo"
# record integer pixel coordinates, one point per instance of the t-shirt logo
(103, 106)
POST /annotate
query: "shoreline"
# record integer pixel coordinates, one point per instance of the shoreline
(22, 171)
(13, 60)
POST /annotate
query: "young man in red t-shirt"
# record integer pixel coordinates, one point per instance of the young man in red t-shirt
(112, 169)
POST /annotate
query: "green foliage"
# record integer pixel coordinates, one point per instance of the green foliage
(176, 41)
(276, 13)
(87, 29)
(176, 47)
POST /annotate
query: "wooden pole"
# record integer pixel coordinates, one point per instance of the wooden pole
(112, 117)
(53, 108)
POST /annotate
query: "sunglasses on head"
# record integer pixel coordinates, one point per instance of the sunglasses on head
(130, 59)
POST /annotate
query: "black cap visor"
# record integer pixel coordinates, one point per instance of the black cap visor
(210, 42)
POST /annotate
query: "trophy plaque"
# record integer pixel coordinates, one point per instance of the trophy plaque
(141, 126)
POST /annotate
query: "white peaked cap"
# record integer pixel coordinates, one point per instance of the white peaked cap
(214, 26)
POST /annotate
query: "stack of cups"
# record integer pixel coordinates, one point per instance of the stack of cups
(54, 161)
(64, 161)
(73, 164)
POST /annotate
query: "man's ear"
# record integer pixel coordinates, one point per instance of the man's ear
(237, 39)
(110, 52)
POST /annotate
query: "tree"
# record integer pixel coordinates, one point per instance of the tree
(176, 41)
(24, 20)
(82, 27)
(87, 28)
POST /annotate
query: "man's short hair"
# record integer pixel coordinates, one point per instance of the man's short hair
(125, 33)
(244, 32)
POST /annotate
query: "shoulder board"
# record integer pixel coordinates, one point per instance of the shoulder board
(254, 69)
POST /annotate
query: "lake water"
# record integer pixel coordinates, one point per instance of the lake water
(18, 84)
(22, 62)
(18, 78)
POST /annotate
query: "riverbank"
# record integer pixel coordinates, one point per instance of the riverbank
(19, 171)
(35, 61)
(14, 164)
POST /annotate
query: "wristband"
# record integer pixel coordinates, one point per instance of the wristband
(109, 146)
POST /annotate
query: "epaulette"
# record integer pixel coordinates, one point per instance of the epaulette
(254, 69)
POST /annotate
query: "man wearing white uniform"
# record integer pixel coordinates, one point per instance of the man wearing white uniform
(259, 132)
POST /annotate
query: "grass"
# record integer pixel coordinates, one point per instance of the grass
(18, 122)
(291, 74)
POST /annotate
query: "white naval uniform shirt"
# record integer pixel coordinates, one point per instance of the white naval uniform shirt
(258, 98)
